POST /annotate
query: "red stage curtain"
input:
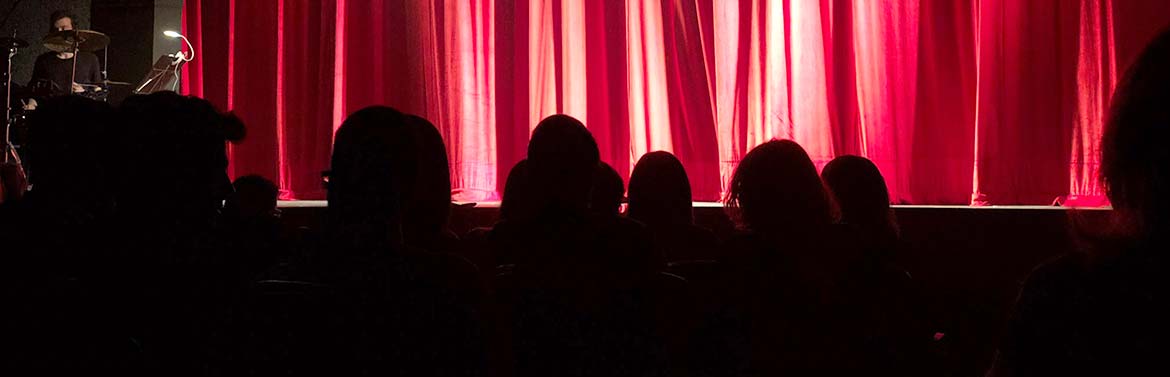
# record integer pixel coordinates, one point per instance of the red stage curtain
(992, 101)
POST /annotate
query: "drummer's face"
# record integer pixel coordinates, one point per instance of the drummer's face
(65, 23)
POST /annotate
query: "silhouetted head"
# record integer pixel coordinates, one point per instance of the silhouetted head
(374, 160)
(429, 200)
(516, 204)
(254, 197)
(608, 190)
(562, 158)
(776, 188)
(660, 192)
(69, 148)
(1135, 161)
(860, 191)
(174, 156)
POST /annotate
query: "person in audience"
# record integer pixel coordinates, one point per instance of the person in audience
(253, 197)
(1102, 311)
(562, 164)
(366, 300)
(370, 174)
(250, 225)
(173, 275)
(605, 201)
(799, 300)
(562, 160)
(580, 298)
(516, 202)
(69, 165)
(490, 246)
(864, 203)
(56, 318)
(428, 204)
(175, 171)
(605, 198)
(71, 170)
(660, 197)
(775, 191)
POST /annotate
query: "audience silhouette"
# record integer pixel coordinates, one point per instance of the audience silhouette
(660, 197)
(1102, 311)
(492, 247)
(55, 245)
(254, 198)
(798, 298)
(172, 274)
(363, 292)
(428, 203)
(134, 253)
(582, 287)
(775, 191)
(864, 203)
(607, 193)
(250, 225)
(516, 204)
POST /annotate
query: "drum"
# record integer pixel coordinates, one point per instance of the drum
(96, 95)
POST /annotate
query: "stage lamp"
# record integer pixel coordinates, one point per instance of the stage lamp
(174, 34)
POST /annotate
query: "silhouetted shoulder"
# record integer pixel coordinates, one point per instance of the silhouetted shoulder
(1073, 280)
(620, 233)
(1089, 314)
(502, 242)
(830, 241)
(748, 253)
(741, 245)
(1057, 277)
(457, 274)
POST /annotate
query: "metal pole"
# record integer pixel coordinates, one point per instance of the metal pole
(8, 106)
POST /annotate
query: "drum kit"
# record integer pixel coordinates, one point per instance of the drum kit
(15, 107)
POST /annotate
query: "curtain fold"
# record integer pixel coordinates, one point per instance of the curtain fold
(956, 101)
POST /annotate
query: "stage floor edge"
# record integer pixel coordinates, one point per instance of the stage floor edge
(322, 204)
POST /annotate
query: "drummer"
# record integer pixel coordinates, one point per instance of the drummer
(57, 67)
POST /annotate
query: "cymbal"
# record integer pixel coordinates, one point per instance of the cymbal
(9, 42)
(104, 82)
(87, 40)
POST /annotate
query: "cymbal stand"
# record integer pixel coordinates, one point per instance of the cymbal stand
(10, 154)
(76, 50)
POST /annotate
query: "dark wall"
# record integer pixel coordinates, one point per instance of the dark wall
(30, 21)
(130, 25)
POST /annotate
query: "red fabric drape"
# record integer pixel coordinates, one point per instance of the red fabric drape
(999, 101)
